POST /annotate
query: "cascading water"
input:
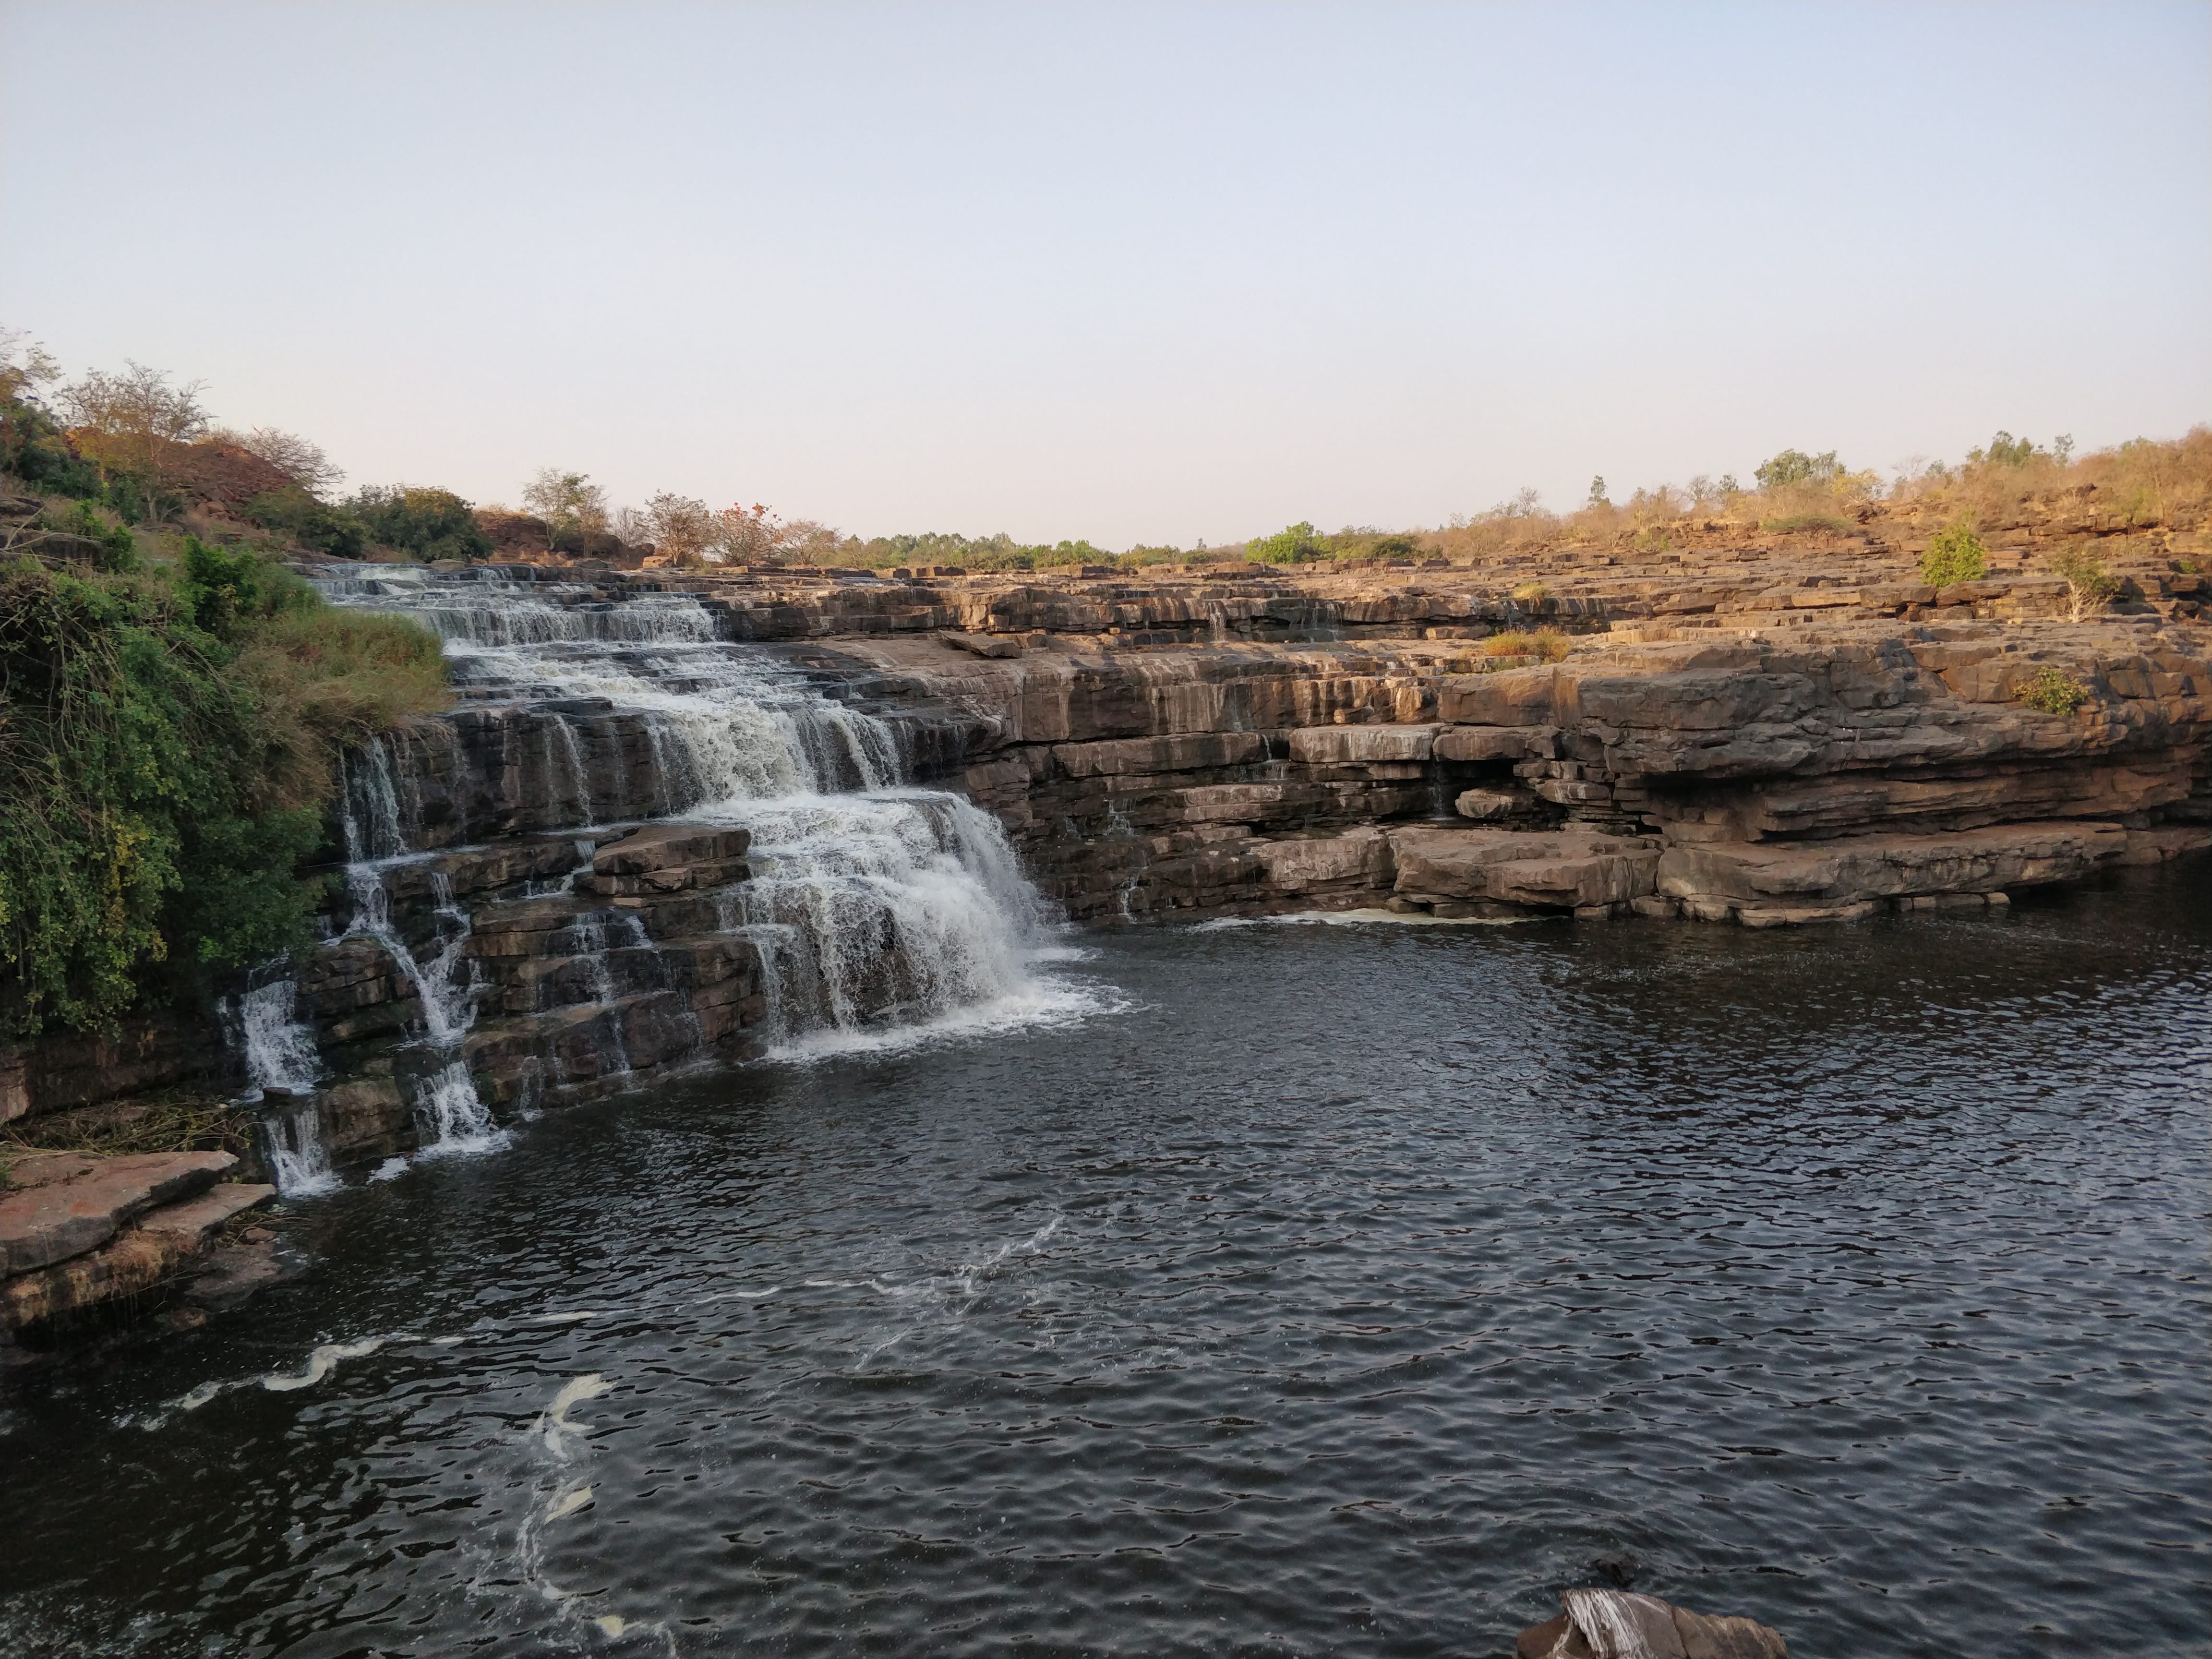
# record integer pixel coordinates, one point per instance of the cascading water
(280, 1055)
(877, 908)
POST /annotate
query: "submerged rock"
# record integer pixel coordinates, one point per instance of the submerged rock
(1613, 1623)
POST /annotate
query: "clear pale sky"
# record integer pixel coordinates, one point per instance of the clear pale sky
(1137, 273)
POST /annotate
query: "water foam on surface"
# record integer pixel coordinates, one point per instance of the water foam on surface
(1363, 918)
(323, 1360)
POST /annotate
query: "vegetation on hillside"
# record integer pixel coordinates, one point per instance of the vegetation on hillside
(171, 707)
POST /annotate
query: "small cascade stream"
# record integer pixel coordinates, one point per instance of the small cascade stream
(879, 908)
(280, 1055)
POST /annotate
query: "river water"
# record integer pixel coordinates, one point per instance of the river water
(1296, 1289)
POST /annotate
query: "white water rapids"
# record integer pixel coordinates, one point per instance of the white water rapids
(882, 912)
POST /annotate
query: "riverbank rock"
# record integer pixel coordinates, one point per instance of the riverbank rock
(78, 1232)
(1611, 1624)
(62, 1204)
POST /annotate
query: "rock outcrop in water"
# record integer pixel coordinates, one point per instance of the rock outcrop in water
(680, 821)
(1609, 1624)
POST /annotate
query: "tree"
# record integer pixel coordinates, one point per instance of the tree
(1296, 545)
(748, 535)
(131, 423)
(682, 527)
(25, 366)
(1597, 495)
(301, 459)
(30, 445)
(2090, 586)
(572, 505)
(1795, 466)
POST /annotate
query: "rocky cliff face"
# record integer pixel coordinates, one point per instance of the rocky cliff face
(670, 822)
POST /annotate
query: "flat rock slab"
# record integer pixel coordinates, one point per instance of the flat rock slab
(196, 1217)
(92, 1199)
(1853, 868)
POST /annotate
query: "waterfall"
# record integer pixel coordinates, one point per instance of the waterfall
(280, 1051)
(452, 1115)
(280, 1055)
(876, 907)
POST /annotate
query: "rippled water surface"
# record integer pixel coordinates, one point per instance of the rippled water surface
(1347, 1290)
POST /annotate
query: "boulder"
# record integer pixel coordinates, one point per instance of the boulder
(1483, 805)
(1184, 752)
(132, 1261)
(669, 858)
(985, 644)
(1358, 859)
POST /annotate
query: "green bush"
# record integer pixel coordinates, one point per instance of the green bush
(110, 547)
(430, 524)
(2054, 691)
(164, 764)
(1298, 543)
(311, 524)
(224, 589)
(1954, 554)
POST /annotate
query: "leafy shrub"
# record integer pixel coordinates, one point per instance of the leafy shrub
(109, 547)
(1297, 545)
(1393, 547)
(226, 589)
(1532, 594)
(315, 525)
(164, 760)
(2054, 691)
(430, 524)
(1954, 554)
